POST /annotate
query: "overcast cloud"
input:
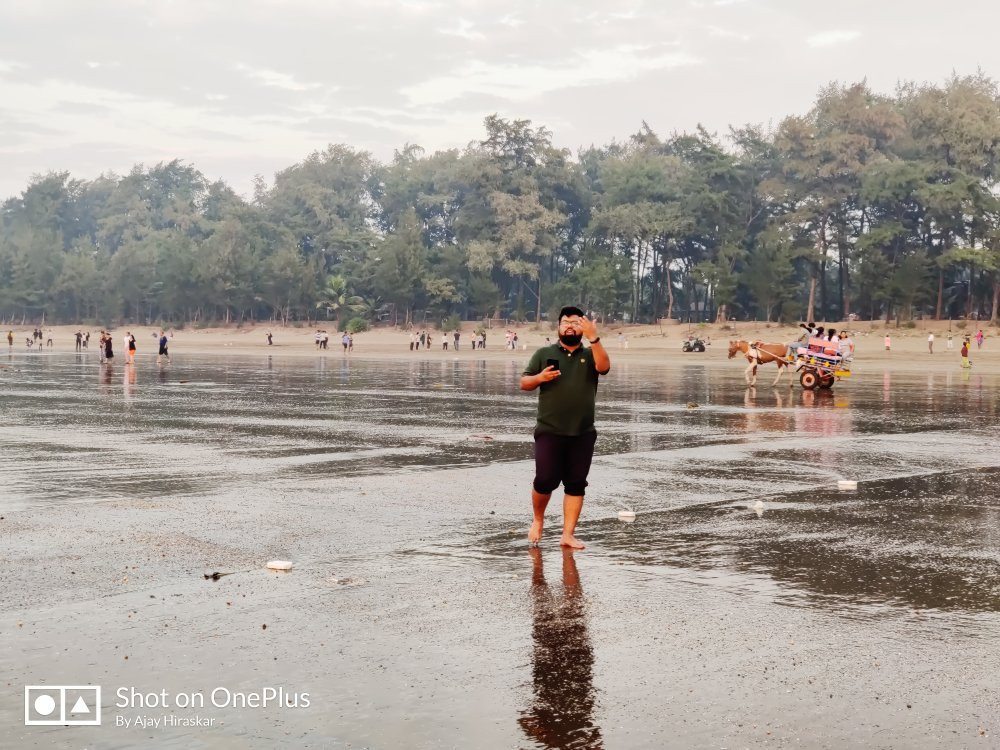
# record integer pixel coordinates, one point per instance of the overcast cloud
(239, 88)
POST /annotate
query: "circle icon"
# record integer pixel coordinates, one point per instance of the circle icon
(44, 705)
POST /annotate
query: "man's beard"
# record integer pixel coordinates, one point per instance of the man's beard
(571, 339)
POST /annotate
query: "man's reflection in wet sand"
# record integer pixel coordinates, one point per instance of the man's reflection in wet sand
(561, 714)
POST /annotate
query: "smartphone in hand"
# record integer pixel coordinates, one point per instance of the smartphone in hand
(553, 363)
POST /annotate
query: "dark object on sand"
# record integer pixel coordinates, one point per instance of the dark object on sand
(217, 575)
(693, 345)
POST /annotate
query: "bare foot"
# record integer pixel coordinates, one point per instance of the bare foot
(568, 540)
(535, 533)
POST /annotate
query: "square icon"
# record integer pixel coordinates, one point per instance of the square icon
(62, 705)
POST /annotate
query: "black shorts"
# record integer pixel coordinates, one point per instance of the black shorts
(163, 350)
(563, 458)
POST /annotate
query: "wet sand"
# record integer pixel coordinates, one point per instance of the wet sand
(751, 604)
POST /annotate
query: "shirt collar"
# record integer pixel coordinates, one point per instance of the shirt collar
(568, 352)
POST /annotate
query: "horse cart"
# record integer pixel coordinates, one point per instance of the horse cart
(820, 363)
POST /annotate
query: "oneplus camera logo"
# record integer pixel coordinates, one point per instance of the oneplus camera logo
(62, 705)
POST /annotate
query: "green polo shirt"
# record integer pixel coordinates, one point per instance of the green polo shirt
(566, 404)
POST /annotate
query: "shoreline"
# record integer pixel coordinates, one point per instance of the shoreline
(646, 345)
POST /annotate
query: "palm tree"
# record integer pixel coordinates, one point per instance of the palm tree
(335, 297)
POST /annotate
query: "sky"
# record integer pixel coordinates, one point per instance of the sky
(239, 88)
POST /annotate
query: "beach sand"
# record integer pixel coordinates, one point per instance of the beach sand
(646, 344)
(750, 604)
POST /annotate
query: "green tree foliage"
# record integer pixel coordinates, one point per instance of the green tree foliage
(881, 204)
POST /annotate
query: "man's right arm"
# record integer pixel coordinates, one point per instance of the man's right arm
(530, 382)
(531, 377)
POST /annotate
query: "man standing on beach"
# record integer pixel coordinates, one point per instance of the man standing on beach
(930, 343)
(564, 432)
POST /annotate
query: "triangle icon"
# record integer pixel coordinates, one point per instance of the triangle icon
(80, 707)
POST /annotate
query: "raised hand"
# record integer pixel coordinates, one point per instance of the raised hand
(588, 328)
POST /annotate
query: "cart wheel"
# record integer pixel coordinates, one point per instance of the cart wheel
(826, 381)
(809, 379)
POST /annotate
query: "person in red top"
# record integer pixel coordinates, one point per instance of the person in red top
(965, 354)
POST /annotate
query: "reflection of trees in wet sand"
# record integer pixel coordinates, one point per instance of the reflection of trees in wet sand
(561, 714)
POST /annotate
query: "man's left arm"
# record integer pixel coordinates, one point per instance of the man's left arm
(602, 362)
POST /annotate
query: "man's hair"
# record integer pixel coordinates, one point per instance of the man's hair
(569, 310)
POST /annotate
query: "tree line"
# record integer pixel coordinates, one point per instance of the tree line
(873, 205)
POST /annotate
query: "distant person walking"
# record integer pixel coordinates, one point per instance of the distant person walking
(444, 340)
(965, 355)
(979, 339)
(79, 340)
(109, 352)
(413, 340)
(567, 375)
(130, 345)
(163, 349)
(10, 339)
(888, 343)
(930, 343)
(270, 339)
(457, 336)
(345, 340)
